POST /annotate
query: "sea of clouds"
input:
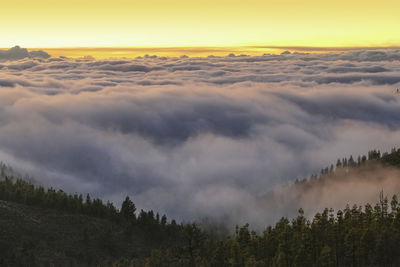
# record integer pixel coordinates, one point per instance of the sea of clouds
(194, 137)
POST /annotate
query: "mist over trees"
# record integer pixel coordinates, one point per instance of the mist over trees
(366, 235)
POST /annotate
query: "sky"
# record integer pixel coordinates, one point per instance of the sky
(179, 23)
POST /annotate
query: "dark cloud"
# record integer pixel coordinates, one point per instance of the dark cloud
(147, 83)
(347, 69)
(378, 109)
(17, 52)
(23, 65)
(126, 67)
(375, 79)
(5, 83)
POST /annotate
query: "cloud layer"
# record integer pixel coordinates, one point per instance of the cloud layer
(195, 137)
(17, 52)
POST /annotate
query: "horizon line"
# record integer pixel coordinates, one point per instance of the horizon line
(293, 47)
(106, 52)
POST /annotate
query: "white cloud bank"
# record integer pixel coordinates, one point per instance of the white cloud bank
(195, 137)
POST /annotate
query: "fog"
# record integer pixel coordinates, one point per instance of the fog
(199, 137)
(344, 188)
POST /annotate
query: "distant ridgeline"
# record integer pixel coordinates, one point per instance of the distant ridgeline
(344, 165)
(47, 227)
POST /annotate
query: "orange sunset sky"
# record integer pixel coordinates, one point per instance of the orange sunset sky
(200, 23)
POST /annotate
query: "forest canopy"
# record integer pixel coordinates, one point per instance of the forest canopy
(365, 235)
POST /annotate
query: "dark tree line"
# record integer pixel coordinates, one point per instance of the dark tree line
(355, 236)
(391, 159)
(119, 230)
(20, 191)
(24, 192)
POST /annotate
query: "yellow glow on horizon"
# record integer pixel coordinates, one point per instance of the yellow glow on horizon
(133, 52)
(172, 23)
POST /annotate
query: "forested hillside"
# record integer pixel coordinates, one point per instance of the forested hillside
(352, 180)
(48, 227)
(40, 227)
(345, 166)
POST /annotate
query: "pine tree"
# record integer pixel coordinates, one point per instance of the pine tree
(128, 210)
